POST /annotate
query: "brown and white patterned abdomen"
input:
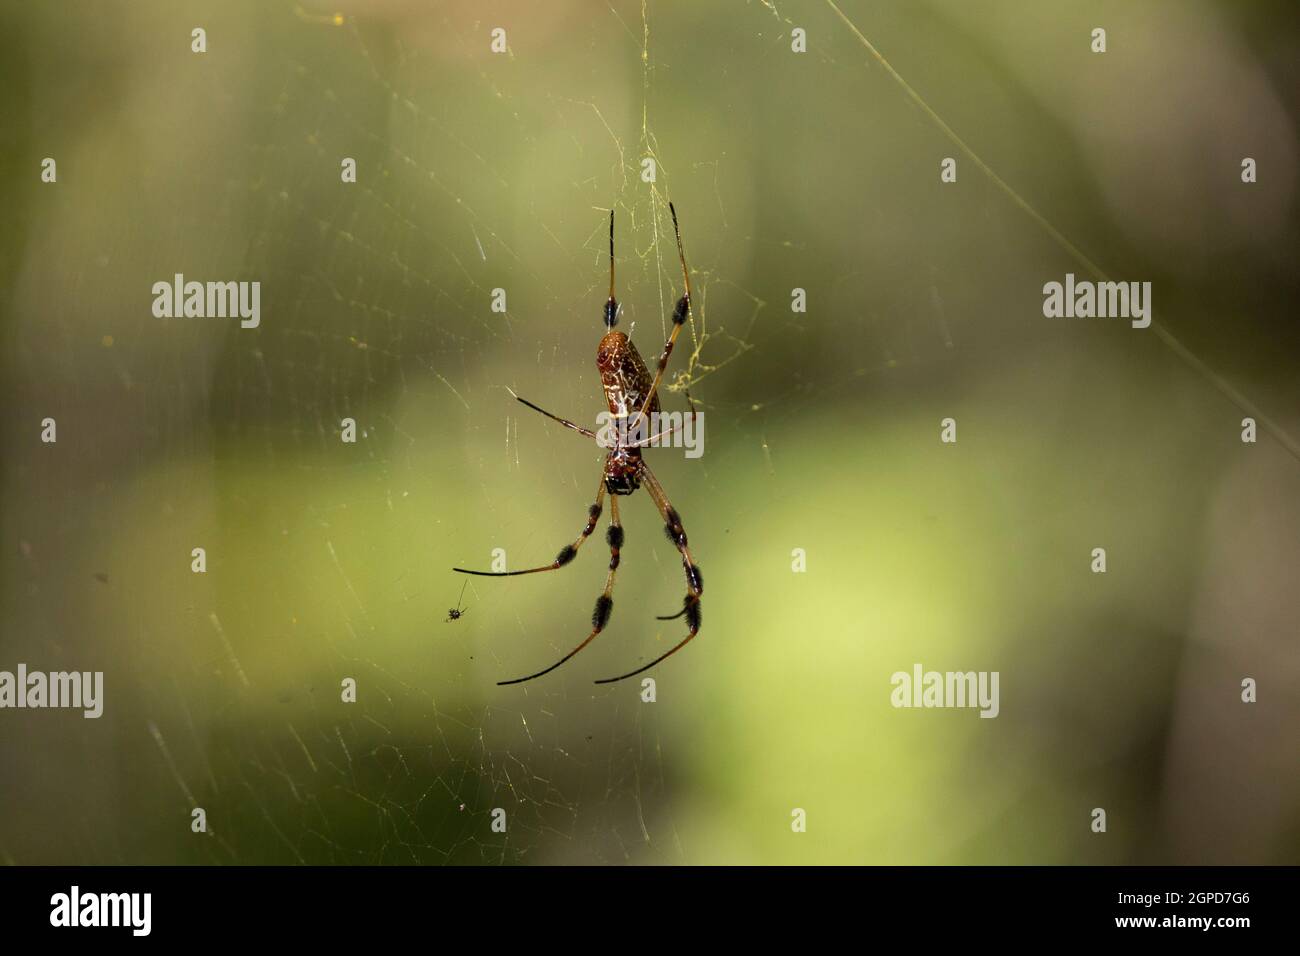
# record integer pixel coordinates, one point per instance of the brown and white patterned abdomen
(623, 376)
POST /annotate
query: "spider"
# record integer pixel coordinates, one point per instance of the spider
(628, 387)
(453, 614)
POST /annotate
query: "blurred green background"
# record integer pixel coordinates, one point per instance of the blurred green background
(479, 171)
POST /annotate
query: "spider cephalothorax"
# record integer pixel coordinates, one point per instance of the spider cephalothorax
(633, 400)
(623, 471)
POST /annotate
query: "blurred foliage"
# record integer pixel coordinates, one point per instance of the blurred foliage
(814, 171)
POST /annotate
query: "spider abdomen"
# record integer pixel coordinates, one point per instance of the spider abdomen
(624, 376)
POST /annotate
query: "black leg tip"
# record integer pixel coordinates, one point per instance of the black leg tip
(600, 615)
(693, 616)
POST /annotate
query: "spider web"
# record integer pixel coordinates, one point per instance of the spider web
(480, 171)
(384, 289)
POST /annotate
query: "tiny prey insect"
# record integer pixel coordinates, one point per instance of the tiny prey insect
(454, 613)
(628, 387)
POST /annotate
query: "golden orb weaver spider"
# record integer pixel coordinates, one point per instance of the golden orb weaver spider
(627, 385)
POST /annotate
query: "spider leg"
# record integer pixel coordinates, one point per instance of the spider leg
(648, 442)
(680, 314)
(604, 603)
(567, 553)
(563, 421)
(694, 581)
(672, 617)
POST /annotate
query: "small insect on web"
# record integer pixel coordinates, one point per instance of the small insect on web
(627, 386)
(454, 614)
